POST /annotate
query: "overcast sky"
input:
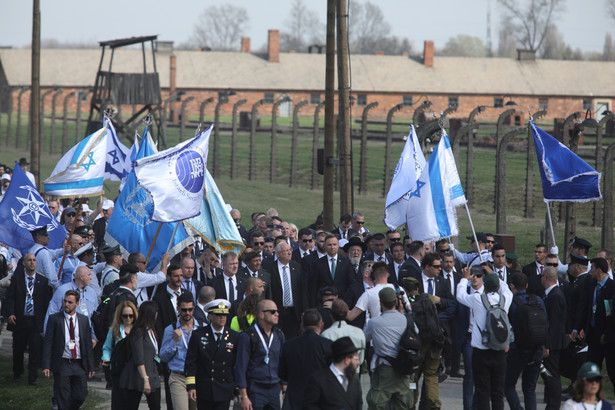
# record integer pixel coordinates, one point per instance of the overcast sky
(584, 24)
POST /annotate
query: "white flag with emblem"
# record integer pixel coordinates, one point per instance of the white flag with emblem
(175, 178)
(81, 171)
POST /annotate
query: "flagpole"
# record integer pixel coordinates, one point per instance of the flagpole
(480, 256)
(551, 223)
(153, 243)
(173, 237)
(70, 236)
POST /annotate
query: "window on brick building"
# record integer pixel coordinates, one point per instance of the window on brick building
(587, 105)
(407, 100)
(453, 101)
(361, 99)
(269, 98)
(498, 102)
(314, 99)
(543, 103)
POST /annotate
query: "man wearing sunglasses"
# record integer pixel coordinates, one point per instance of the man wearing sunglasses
(306, 245)
(473, 258)
(358, 223)
(174, 349)
(45, 257)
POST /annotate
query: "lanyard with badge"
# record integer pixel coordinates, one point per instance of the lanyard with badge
(155, 343)
(83, 306)
(71, 343)
(265, 346)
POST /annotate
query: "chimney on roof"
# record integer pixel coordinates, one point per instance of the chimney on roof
(172, 73)
(273, 47)
(526, 55)
(245, 44)
(405, 54)
(378, 53)
(428, 50)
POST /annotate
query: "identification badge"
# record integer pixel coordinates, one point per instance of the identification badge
(71, 345)
(266, 359)
(157, 359)
(412, 386)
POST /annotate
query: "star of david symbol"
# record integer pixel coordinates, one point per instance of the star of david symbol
(114, 156)
(33, 206)
(89, 164)
(417, 192)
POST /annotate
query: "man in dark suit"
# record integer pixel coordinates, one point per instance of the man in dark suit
(555, 303)
(257, 241)
(344, 231)
(308, 265)
(301, 357)
(334, 270)
(100, 225)
(451, 353)
(498, 254)
(355, 248)
(27, 300)
(412, 265)
(253, 270)
(189, 282)
(306, 245)
(210, 360)
(534, 283)
(71, 360)
(591, 320)
(379, 253)
(397, 256)
(166, 299)
(536, 267)
(206, 295)
(337, 386)
(228, 285)
(355, 291)
(287, 289)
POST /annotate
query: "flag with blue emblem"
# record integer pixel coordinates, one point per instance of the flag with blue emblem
(23, 210)
(81, 171)
(131, 225)
(431, 206)
(409, 168)
(175, 178)
(117, 153)
(215, 224)
(565, 176)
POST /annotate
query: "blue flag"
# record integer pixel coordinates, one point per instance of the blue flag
(115, 168)
(565, 176)
(131, 224)
(23, 210)
(215, 224)
(431, 206)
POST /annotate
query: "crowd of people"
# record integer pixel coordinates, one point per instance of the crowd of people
(300, 315)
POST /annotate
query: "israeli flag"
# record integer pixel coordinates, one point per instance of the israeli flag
(117, 153)
(81, 171)
(23, 210)
(132, 155)
(565, 176)
(215, 224)
(409, 168)
(431, 206)
(175, 178)
(131, 225)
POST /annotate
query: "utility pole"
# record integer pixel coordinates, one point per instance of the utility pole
(344, 143)
(329, 151)
(35, 131)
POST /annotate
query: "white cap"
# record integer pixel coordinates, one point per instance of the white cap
(85, 208)
(218, 306)
(108, 204)
(83, 249)
(6, 176)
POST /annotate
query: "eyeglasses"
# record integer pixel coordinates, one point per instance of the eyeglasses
(489, 241)
(359, 222)
(307, 240)
(272, 311)
(445, 250)
(139, 261)
(554, 265)
(186, 309)
(128, 316)
(478, 275)
(394, 239)
(594, 380)
(537, 251)
(436, 266)
(72, 215)
(258, 243)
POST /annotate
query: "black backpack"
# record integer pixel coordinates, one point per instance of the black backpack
(531, 326)
(102, 317)
(120, 354)
(425, 315)
(409, 357)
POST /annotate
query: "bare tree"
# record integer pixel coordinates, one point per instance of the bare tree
(221, 27)
(608, 50)
(506, 40)
(303, 28)
(531, 19)
(370, 32)
(610, 8)
(463, 45)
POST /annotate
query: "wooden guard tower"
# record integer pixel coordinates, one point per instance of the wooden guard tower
(141, 90)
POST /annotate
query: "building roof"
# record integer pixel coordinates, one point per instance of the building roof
(306, 72)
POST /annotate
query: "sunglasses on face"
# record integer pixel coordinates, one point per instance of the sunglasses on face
(272, 311)
(185, 310)
(307, 240)
(258, 243)
(128, 316)
(554, 265)
(394, 239)
(359, 222)
(71, 215)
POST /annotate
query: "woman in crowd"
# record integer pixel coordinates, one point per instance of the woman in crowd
(246, 313)
(293, 233)
(123, 320)
(140, 375)
(588, 390)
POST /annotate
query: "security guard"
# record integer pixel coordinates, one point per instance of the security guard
(211, 358)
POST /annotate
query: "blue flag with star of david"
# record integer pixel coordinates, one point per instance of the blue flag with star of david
(131, 225)
(81, 171)
(22, 210)
(117, 154)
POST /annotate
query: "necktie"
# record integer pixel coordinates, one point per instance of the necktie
(71, 333)
(541, 269)
(594, 304)
(29, 301)
(218, 336)
(345, 383)
(333, 267)
(379, 258)
(430, 286)
(286, 285)
(231, 290)
(501, 274)
(449, 279)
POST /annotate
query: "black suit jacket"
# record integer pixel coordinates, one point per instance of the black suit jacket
(220, 288)
(297, 255)
(166, 312)
(243, 274)
(296, 283)
(324, 392)
(606, 292)
(344, 274)
(100, 228)
(351, 297)
(200, 316)
(349, 234)
(529, 269)
(410, 268)
(15, 299)
(442, 289)
(555, 303)
(301, 357)
(53, 348)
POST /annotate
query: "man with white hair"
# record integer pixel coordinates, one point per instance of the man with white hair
(100, 225)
